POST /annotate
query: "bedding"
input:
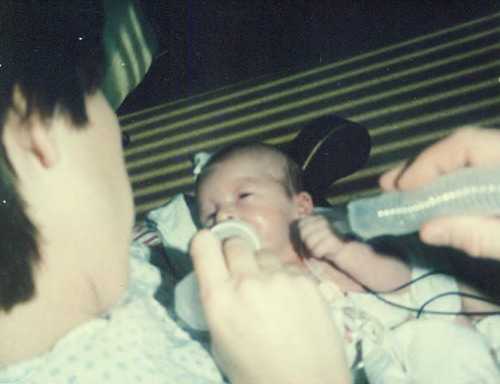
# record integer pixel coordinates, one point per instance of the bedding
(408, 95)
(392, 339)
(389, 335)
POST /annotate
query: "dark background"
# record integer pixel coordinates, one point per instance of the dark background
(207, 44)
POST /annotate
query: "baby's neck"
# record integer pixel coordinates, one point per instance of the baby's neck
(290, 256)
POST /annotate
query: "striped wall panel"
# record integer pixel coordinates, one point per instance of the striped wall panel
(408, 95)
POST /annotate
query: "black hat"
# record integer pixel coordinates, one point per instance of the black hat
(329, 148)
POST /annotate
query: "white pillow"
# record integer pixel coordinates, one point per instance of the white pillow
(176, 226)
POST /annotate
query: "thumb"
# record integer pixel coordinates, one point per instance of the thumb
(208, 260)
(476, 235)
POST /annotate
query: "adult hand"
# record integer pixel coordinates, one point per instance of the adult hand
(267, 324)
(466, 147)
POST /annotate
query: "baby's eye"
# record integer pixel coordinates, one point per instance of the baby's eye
(244, 195)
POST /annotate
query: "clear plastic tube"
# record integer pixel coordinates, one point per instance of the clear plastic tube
(474, 191)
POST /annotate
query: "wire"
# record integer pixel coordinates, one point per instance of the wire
(421, 310)
(411, 282)
(462, 294)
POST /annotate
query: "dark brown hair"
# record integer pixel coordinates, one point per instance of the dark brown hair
(51, 54)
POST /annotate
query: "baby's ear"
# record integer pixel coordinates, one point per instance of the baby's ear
(304, 203)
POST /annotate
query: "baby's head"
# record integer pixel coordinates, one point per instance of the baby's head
(258, 184)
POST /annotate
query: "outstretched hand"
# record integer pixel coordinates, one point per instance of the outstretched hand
(268, 323)
(467, 147)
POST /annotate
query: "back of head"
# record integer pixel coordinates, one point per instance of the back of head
(50, 57)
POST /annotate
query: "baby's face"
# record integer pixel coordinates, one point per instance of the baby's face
(249, 187)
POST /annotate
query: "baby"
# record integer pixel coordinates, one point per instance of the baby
(259, 185)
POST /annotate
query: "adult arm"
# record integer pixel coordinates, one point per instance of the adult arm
(268, 325)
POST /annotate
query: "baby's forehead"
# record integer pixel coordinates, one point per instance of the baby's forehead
(246, 166)
(257, 162)
(260, 156)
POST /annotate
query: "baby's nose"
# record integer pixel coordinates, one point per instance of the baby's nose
(225, 213)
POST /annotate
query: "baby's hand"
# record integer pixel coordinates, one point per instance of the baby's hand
(318, 237)
(352, 264)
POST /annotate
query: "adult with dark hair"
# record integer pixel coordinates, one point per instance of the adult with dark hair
(41, 70)
(75, 307)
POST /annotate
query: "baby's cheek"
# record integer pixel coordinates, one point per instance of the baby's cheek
(273, 227)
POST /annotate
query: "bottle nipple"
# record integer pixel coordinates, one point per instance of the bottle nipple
(238, 228)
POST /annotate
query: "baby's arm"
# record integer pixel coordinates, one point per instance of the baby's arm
(377, 271)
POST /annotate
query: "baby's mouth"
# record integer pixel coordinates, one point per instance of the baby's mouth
(237, 228)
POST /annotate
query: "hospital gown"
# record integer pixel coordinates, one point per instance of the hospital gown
(135, 342)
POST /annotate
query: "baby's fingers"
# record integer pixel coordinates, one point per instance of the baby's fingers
(311, 225)
(317, 236)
